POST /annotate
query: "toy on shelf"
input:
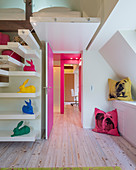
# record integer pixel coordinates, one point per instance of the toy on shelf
(18, 131)
(28, 89)
(28, 109)
(31, 67)
(19, 40)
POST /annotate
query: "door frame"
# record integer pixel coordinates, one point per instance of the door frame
(62, 82)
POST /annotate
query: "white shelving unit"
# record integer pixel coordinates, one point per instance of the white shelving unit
(24, 73)
(4, 72)
(17, 116)
(10, 116)
(5, 136)
(19, 95)
(7, 61)
(24, 51)
(3, 84)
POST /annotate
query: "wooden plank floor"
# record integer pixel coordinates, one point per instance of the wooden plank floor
(70, 146)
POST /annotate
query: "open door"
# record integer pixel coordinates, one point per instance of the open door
(49, 90)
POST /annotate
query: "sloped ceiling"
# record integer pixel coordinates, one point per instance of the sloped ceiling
(120, 53)
(121, 18)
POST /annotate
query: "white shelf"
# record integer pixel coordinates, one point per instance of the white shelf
(17, 116)
(24, 73)
(23, 51)
(19, 95)
(5, 136)
(19, 73)
(4, 84)
(3, 47)
(7, 61)
(4, 72)
(27, 36)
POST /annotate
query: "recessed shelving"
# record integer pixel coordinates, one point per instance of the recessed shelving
(19, 95)
(6, 136)
(7, 61)
(17, 116)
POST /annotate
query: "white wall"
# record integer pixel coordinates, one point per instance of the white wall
(40, 4)
(96, 72)
(56, 79)
(120, 53)
(12, 4)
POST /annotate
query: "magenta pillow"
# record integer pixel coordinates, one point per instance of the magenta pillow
(106, 122)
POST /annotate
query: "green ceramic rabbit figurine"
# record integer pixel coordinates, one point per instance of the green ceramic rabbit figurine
(20, 131)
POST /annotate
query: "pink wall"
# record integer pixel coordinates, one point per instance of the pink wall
(62, 82)
(80, 88)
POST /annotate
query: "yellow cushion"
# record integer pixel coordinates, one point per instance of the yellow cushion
(120, 90)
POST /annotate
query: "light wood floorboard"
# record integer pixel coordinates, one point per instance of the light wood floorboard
(70, 145)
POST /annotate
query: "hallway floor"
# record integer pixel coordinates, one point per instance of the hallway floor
(70, 146)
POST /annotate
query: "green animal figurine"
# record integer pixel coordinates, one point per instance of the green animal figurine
(20, 131)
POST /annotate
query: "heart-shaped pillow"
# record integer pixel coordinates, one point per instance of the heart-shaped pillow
(106, 122)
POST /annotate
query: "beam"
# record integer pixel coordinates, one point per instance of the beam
(28, 9)
(10, 25)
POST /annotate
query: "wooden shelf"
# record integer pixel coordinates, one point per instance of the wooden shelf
(24, 73)
(4, 84)
(7, 61)
(19, 95)
(17, 116)
(5, 136)
(23, 51)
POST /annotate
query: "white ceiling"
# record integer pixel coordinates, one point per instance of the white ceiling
(65, 36)
(121, 18)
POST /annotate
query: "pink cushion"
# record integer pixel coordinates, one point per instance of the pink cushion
(106, 122)
(4, 39)
(14, 55)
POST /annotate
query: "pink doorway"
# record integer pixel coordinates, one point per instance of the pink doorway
(66, 59)
(49, 90)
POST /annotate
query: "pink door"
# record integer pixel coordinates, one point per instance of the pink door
(49, 90)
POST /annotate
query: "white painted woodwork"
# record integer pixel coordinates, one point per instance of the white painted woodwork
(7, 61)
(127, 119)
(66, 34)
(19, 73)
(5, 136)
(4, 72)
(11, 115)
(27, 36)
(17, 115)
(19, 95)
(70, 145)
(24, 73)
(4, 84)
(23, 51)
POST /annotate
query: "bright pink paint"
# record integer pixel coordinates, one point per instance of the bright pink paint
(80, 88)
(62, 82)
(50, 90)
(62, 88)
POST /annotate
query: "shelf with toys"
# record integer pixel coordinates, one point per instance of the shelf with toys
(17, 116)
(17, 90)
(7, 61)
(5, 136)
